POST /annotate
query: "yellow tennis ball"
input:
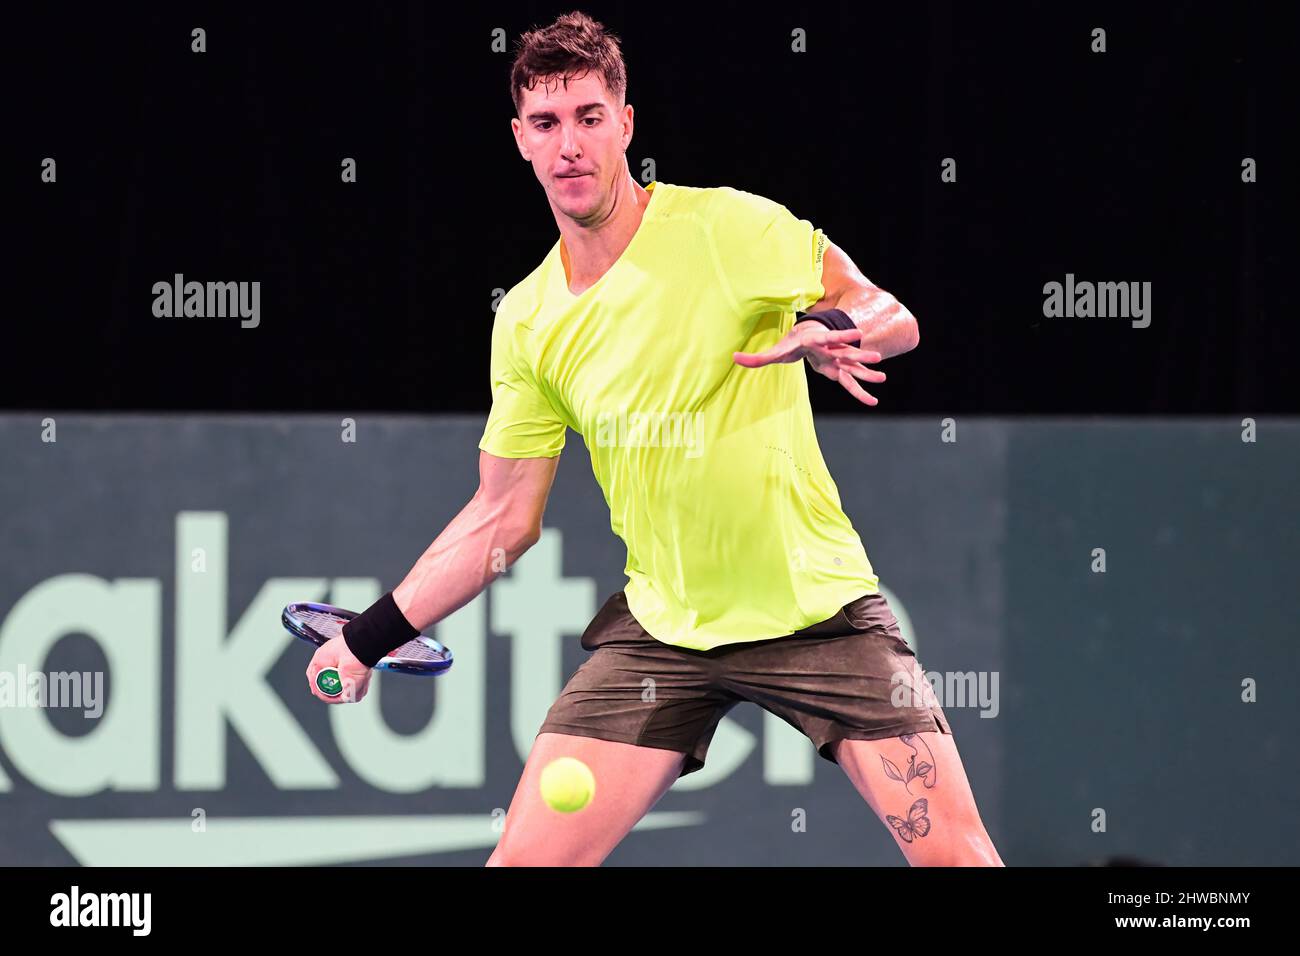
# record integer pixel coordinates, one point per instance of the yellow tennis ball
(567, 784)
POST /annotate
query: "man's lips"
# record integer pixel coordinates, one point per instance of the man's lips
(573, 176)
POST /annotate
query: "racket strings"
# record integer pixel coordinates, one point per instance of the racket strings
(326, 625)
(416, 651)
(331, 625)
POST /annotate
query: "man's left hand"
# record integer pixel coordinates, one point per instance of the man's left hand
(828, 351)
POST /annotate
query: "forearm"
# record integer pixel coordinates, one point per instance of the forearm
(475, 548)
(887, 326)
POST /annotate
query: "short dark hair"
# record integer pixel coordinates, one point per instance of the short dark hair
(570, 48)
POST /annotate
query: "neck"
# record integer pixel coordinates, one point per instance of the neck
(589, 247)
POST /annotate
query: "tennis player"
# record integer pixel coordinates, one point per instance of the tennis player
(663, 328)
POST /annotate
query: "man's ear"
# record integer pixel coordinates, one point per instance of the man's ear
(517, 128)
(630, 119)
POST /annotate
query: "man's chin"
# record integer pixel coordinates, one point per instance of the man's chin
(576, 208)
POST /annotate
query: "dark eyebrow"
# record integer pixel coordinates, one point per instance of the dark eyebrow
(549, 115)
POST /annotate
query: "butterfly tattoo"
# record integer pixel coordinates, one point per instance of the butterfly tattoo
(915, 826)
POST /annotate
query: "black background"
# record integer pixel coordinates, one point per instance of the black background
(377, 296)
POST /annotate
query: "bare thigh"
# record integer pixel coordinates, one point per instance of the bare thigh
(917, 786)
(629, 781)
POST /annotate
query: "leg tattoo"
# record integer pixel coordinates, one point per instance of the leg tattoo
(925, 769)
(915, 826)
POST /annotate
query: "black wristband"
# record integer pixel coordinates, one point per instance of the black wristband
(831, 318)
(377, 630)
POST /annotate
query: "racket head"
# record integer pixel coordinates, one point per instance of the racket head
(315, 623)
(318, 623)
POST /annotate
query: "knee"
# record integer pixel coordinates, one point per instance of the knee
(962, 859)
(970, 850)
(977, 850)
(505, 855)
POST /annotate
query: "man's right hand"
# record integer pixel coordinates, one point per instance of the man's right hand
(354, 674)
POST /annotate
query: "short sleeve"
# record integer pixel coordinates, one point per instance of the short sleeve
(769, 259)
(522, 422)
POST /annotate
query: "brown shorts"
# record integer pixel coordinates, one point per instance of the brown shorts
(840, 679)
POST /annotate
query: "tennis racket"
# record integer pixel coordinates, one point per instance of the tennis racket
(318, 623)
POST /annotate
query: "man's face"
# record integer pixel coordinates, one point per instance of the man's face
(575, 138)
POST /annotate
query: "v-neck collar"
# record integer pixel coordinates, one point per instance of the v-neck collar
(562, 281)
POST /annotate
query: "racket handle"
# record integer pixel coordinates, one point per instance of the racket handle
(328, 682)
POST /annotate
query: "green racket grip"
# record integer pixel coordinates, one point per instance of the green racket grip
(329, 683)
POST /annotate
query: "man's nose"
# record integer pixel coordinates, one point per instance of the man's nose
(569, 147)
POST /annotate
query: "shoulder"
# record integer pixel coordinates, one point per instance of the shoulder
(708, 202)
(523, 300)
(728, 199)
(723, 211)
(739, 215)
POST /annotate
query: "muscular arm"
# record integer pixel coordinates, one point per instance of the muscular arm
(500, 523)
(887, 326)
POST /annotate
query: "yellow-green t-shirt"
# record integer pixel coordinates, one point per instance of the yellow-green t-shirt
(712, 472)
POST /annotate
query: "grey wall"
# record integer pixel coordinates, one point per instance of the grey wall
(148, 548)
